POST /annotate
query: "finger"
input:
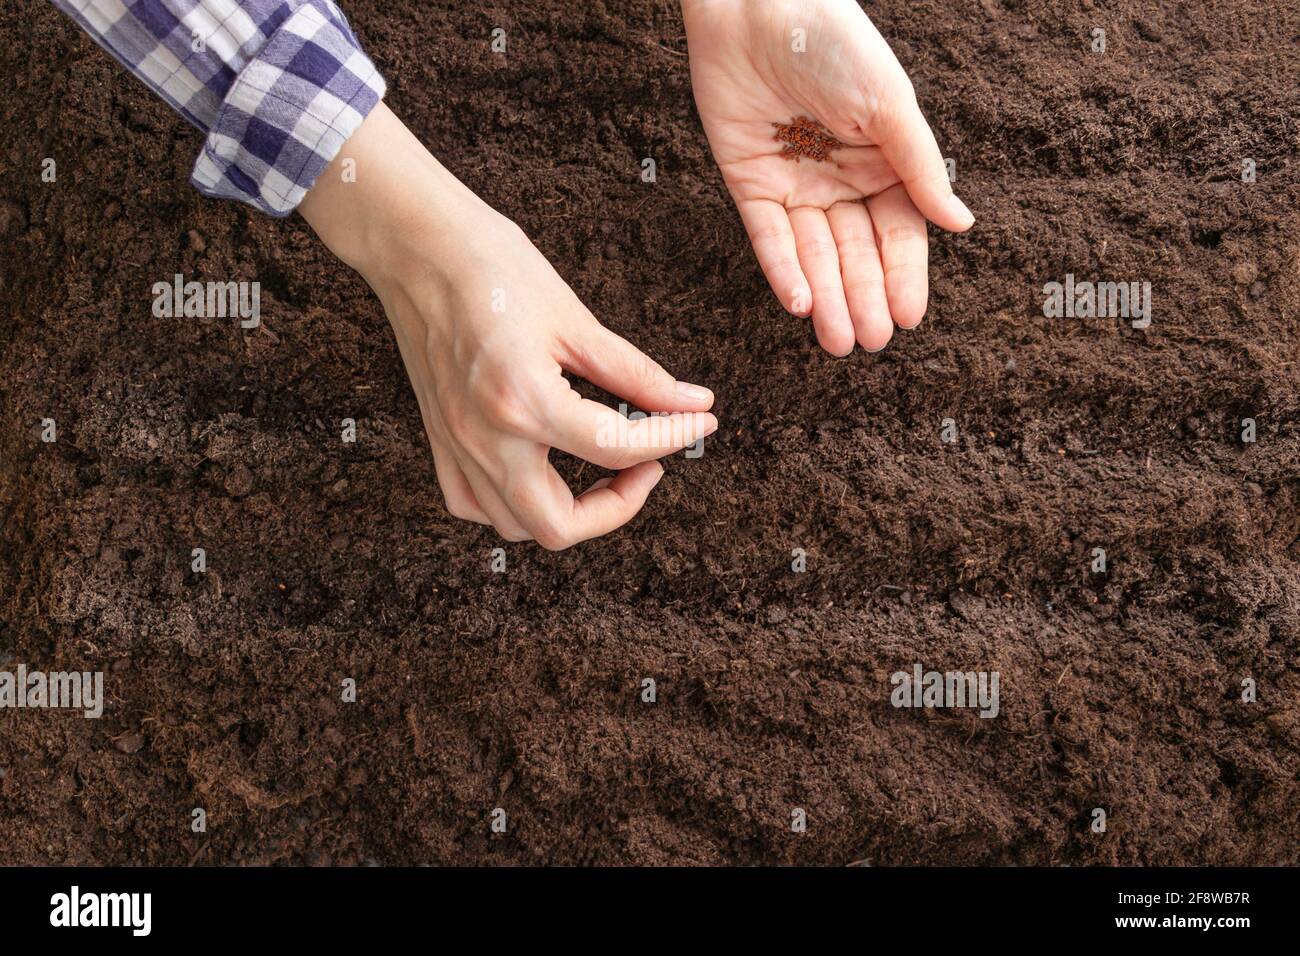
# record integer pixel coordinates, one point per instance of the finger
(821, 264)
(601, 510)
(459, 497)
(862, 274)
(606, 438)
(558, 520)
(768, 225)
(904, 253)
(909, 145)
(493, 503)
(616, 365)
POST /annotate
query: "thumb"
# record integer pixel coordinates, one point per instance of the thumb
(619, 367)
(909, 146)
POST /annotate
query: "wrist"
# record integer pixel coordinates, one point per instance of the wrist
(389, 209)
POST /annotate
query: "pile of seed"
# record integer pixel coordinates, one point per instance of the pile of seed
(805, 138)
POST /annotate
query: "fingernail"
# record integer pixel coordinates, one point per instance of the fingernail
(693, 393)
(799, 302)
(658, 477)
(961, 211)
(712, 428)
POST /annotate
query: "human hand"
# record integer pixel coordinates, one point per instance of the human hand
(486, 328)
(859, 268)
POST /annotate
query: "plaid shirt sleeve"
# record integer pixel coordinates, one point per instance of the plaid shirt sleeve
(277, 85)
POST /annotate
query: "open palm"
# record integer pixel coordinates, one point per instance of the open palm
(843, 239)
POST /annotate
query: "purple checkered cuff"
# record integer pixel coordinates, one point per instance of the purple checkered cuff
(277, 85)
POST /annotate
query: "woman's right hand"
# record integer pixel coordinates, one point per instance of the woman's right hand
(486, 328)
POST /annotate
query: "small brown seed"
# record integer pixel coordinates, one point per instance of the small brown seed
(805, 138)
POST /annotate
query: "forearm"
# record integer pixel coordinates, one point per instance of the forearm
(384, 199)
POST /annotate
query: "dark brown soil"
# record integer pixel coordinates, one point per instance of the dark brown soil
(521, 690)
